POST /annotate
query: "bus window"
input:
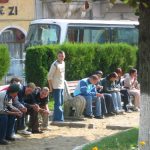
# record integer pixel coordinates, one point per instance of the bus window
(127, 35)
(41, 34)
(88, 34)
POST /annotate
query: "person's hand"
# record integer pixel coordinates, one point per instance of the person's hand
(99, 95)
(23, 109)
(99, 87)
(46, 112)
(16, 113)
(36, 107)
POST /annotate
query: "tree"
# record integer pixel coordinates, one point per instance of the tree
(142, 8)
(4, 60)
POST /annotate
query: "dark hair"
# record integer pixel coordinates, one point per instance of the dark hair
(94, 77)
(98, 73)
(112, 75)
(15, 79)
(118, 70)
(133, 70)
(13, 88)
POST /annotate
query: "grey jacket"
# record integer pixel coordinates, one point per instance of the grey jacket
(5, 103)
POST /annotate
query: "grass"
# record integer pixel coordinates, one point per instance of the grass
(51, 104)
(126, 140)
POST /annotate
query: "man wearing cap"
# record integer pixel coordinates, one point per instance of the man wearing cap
(86, 88)
(8, 113)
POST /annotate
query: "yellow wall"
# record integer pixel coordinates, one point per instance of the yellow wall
(17, 13)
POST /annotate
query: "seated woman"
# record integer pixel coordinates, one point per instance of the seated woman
(124, 92)
(131, 83)
(109, 86)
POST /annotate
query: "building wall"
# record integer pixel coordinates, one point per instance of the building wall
(17, 13)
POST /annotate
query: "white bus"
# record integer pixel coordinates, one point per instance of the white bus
(54, 31)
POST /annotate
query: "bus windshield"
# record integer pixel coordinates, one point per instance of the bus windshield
(102, 34)
(42, 34)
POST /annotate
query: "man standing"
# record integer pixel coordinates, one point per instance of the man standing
(56, 77)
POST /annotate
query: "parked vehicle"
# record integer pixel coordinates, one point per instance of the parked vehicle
(54, 31)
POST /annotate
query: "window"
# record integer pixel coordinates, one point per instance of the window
(127, 35)
(88, 34)
(41, 34)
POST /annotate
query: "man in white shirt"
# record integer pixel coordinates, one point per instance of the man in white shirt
(56, 77)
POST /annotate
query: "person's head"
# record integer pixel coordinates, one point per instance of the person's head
(133, 72)
(99, 73)
(44, 92)
(30, 88)
(94, 79)
(119, 72)
(13, 90)
(113, 76)
(61, 56)
(16, 80)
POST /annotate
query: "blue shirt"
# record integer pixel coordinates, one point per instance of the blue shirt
(85, 88)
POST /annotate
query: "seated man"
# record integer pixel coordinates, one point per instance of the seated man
(8, 113)
(86, 88)
(26, 97)
(42, 99)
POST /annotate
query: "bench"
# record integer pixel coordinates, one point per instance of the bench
(73, 106)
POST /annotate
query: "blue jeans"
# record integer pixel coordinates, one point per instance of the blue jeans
(109, 102)
(89, 110)
(58, 95)
(7, 123)
(116, 96)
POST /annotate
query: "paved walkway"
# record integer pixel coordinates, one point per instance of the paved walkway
(66, 138)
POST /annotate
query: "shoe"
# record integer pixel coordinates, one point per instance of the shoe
(99, 117)
(129, 111)
(120, 111)
(37, 132)
(88, 116)
(110, 114)
(130, 105)
(45, 128)
(10, 139)
(24, 132)
(4, 142)
(136, 109)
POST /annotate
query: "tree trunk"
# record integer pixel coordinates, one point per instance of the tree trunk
(144, 72)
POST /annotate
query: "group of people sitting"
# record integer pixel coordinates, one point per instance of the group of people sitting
(106, 95)
(18, 101)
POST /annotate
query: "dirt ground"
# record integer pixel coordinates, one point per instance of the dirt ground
(65, 138)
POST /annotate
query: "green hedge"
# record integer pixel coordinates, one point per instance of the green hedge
(4, 60)
(81, 60)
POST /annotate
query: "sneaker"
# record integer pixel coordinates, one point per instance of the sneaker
(136, 109)
(99, 117)
(130, 105)
(37, 132)
(10, 139)
(129, 111)
(24, 132)
(4, 142)
(88, 116)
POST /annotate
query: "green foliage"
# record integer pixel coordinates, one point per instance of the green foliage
(126, 140)
(81, 60)
(4, 60)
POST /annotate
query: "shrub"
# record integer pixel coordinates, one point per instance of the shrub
(81, 60)
(4, 60)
